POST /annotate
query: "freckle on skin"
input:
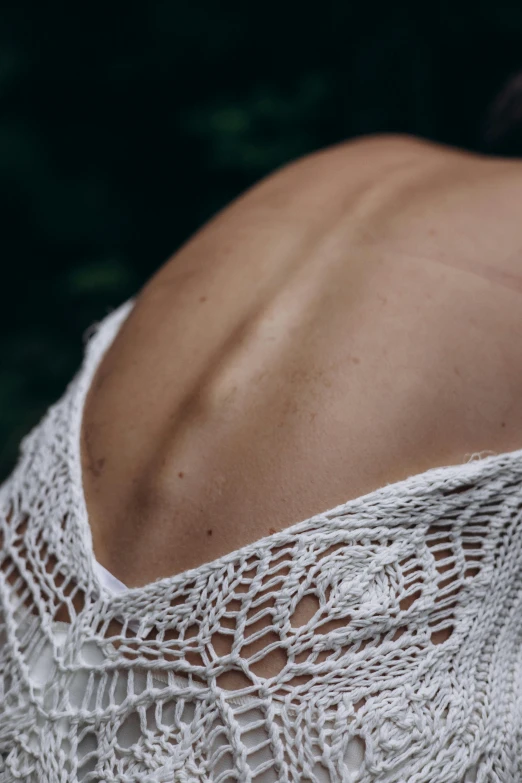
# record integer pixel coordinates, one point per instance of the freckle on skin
(94, 466)
(202, 298)
(97, 467)
(209, 532)
(356, 360)
(181, 474)
(503, 424)
(272, 530)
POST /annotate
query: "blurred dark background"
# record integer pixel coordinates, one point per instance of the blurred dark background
(125, 126)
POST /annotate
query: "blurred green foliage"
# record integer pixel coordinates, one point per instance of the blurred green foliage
(125, 126)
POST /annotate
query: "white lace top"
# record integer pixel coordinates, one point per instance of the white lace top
(392, 625)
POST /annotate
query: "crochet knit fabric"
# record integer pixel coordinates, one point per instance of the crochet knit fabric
(377, 642)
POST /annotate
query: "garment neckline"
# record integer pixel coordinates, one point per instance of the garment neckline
(100, 337)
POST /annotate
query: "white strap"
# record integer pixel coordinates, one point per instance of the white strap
(109, 580)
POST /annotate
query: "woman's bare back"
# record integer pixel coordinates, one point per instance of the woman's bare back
(353, 319)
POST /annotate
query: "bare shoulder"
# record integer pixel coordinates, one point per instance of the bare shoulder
(382, 150)
(389, 168)
(356, 315)
(396, 144)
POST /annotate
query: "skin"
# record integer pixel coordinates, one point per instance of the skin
(353, 319)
